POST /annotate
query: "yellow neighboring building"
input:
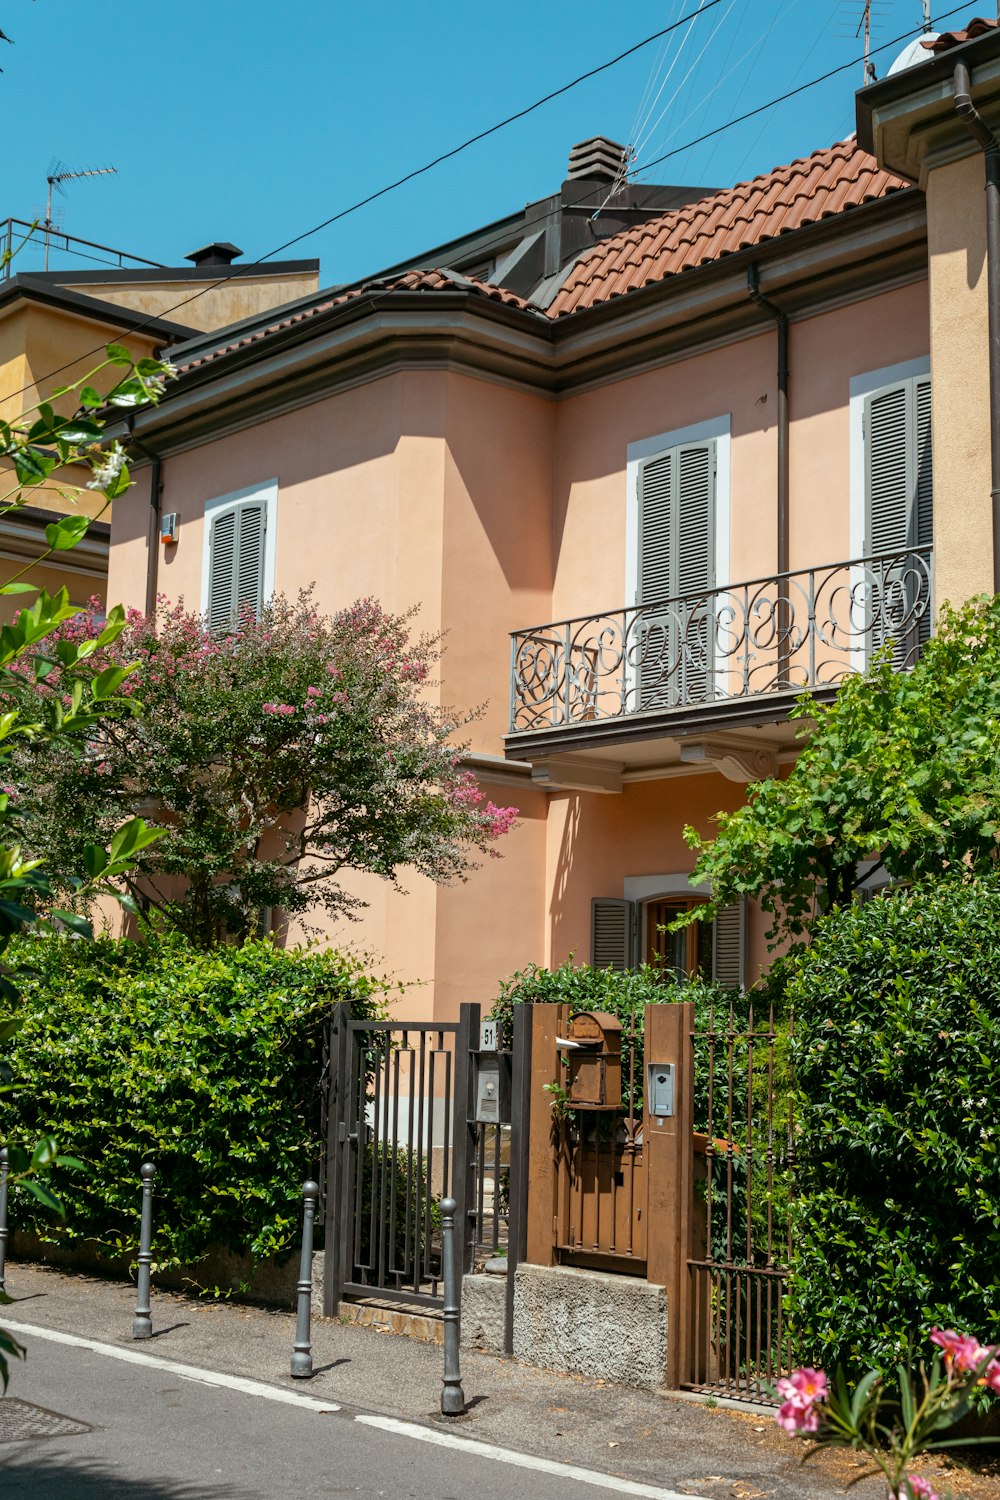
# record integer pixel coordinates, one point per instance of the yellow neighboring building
(53, 326)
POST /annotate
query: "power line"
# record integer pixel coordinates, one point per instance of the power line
(502, 239)
(704, 7)
(579, 203)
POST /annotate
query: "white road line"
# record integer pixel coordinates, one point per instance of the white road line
(187, 1372)
(522, 1460)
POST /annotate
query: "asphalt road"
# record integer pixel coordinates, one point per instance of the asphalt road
(146, 1431)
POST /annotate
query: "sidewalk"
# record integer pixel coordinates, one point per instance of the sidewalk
(653, 1439)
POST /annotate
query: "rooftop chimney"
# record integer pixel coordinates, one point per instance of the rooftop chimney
(217, 254)
(597, 157)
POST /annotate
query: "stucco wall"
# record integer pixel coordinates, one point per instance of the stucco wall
(956, 235)
(594, 430)
(224, 301)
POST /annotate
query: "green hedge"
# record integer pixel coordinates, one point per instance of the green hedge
(206, 1062)
(897, 1057)
(624, 994)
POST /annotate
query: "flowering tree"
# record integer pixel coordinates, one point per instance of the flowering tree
(274, 758)
(50, 450)
(893, 1432)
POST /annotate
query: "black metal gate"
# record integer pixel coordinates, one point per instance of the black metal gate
(401, 1134)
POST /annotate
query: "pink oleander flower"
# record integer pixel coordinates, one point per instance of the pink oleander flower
(793, 1416)
(283, 709)
(920, 1489)
(313, 692)
(961, 1351)
(810, 1384)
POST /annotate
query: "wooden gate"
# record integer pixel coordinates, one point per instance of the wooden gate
(693, 1196)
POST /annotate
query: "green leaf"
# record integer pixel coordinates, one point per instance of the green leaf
(79, 431)
(44, 1153)
(45, 1195)
(64, 534)
(90, 397)
(106, 683)
(74, 922)
(32, 466)
(118, 355)
(18, 586)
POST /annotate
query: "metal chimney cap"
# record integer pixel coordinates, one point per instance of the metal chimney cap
(219, 253)
(597, 157)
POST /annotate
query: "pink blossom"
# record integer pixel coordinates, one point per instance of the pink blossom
(961, 1351)
(800, 1395)
(919, 1489)
(500, 820)
(278, 708)
(793, 1417)
(312, 692)
(810, 1384)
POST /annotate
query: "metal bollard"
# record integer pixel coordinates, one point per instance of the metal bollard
(142, 1323)
(452, 1395)
(4, 1174)
(302, 1363)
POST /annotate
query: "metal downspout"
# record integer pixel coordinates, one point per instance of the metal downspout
(781, 321)
(987, 141)
(153, 542)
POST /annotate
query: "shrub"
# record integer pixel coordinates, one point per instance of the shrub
(897, 1054)
(208, 1063)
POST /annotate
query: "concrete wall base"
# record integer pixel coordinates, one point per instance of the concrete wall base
(484, 1310)
(590, 1323)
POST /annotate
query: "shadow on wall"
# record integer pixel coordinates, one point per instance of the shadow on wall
(563, 914)
(61, 1476)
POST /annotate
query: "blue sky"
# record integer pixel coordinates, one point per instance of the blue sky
(250, 122)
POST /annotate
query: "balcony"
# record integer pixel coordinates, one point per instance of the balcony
(732, 658)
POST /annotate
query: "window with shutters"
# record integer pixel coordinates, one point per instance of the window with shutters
(625, 933)
(677, 556)
(892, 508)
(238, 568)
(899, 512)
(676, 564)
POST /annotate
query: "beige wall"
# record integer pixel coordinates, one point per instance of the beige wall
(209, 303)
(956, 233)
(594, 431)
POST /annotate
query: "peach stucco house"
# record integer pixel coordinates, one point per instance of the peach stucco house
(648, 489)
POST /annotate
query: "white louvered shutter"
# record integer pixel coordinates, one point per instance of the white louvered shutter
(899, 512)
(729, 946)
(221, 570)
(695, 573)
(612, 925)
(236, 564)
(676, 546)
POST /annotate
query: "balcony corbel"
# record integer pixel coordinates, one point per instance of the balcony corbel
(567, 773)
(736, 761)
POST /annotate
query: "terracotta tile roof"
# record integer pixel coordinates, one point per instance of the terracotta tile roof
(815, 187)
(978, 26)
(409, 281)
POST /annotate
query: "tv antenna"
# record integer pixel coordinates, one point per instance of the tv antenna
(865, 24)
(58, 174)
(927, 15)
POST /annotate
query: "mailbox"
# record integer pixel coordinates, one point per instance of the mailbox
(493, 1088)
(594, 1054)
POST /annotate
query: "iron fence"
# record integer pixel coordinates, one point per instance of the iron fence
(742, 1227)
(786, 633)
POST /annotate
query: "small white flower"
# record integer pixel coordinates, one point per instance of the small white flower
(107, 470)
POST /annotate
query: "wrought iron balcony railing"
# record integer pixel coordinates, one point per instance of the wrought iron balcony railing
(786, 633)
